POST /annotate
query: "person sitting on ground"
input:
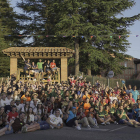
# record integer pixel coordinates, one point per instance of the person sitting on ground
(87, 106)
(12, 115)
(124, 119)
(91, 117)
(29, 117)
(112, 113)
(15, 126)
(100, 115)
(137, 113)
(82, 119)
(72, 119)
(2, 117)
(54, 121)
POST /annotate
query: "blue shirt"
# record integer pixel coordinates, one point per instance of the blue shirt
(135, 95)
(71, 116)
(129, 91)
(79, 92)
(27, 65)
(137, 112)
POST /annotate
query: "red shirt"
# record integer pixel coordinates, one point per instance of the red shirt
(12, 116)
(132, 100)
(50, 108)
(95, 98)
(83, 115)
(82, 84)
(72, 82)
(106, 100)
(52, 65)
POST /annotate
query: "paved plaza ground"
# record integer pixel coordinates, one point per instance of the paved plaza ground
(109, 132)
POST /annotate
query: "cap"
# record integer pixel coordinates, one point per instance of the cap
(4, 93)
(39, 103)
(96, 92)
(35, 94)
(24, 98)
(73, 107)
(17, 99)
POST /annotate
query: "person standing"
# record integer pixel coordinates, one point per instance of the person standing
(47, 67)
(40, 67)
(135, 93)
(27, 65)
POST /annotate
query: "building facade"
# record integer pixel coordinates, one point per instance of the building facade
(133, 71)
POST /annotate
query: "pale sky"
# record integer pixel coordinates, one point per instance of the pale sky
(135, 29)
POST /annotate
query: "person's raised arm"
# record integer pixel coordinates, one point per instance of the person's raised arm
(117, 84)
(44, 62)
(22, 57)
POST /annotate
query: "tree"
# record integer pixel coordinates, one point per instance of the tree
(96, 20)
(4, 62)
(8, 30)
(91, 26)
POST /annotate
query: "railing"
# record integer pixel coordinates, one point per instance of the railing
(54, 78)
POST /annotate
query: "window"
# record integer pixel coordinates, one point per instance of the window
(125, 64)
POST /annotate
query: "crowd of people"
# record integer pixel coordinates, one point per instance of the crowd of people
(34, 105)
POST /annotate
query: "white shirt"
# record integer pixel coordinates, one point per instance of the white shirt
(16, 98)
(22, 110)
(38, 112)
(112, 98)
(33, 106)
(8, 101)
(54, 112)
(5, 102)
(20, 106)
(55, 120)
(32, 102)
(31, 118)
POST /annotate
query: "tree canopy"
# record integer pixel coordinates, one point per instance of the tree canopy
(91, 26)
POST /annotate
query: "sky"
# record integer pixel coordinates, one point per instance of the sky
(134, 49)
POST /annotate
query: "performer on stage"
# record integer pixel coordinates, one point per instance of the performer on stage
(27, 65)
(47, 68)
(53, 65)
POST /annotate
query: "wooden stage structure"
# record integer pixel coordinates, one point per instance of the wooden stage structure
(61, 53)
